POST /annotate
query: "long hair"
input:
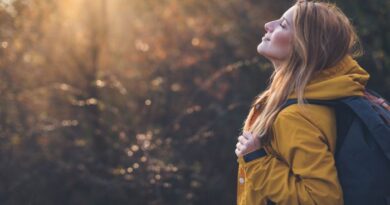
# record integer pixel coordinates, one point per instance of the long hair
(322, 36)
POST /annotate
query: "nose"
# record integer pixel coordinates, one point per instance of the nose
(268, 26)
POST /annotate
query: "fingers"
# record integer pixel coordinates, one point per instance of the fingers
(239, 149)
(247, 142)
(240, 146)
(247, 134)
(238, 153)
(243, 139)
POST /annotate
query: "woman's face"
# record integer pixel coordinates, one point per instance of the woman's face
(276, 43)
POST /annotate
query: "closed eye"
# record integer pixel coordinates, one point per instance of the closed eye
(282, 20)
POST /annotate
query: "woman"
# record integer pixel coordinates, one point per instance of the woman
(286, 157)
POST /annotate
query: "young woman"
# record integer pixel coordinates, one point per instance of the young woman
(286, 156)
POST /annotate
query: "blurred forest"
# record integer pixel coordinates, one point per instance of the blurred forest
(140, 101)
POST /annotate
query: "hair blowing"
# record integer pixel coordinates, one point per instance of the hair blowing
(322, 36)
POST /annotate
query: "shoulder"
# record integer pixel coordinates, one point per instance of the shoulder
(311, 115)
(291, 122)
(295, 128)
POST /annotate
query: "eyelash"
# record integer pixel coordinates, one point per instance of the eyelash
(282, 25)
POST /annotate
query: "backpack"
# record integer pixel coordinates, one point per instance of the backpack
(362, 154)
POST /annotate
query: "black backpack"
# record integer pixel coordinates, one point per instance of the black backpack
(362, 154)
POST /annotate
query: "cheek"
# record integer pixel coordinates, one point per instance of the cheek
(282, 39)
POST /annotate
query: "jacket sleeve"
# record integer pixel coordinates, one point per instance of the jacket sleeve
(307, 174)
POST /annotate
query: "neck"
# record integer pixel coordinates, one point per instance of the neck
(277, 64)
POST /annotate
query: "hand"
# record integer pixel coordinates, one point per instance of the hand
(247, 142)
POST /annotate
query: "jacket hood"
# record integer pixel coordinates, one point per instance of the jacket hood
(346, 78)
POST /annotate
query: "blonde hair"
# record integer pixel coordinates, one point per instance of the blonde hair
(322, 36)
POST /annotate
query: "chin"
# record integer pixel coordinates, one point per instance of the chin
(262, 48)
(262, 51)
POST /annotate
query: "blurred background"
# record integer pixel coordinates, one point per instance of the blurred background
(140, 101)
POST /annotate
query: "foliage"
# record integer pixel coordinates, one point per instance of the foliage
(139, 102)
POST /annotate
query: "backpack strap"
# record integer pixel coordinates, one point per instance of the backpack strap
(369, 113)
(311, 101)
(365, 110)
(343, 117)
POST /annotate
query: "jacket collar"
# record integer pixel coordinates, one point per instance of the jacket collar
(346, 78)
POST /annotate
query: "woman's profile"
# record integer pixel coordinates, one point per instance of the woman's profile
(312, 48)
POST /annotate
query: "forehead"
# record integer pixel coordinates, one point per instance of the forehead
(289, 13)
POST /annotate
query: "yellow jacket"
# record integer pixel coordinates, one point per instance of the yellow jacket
(304, 171)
